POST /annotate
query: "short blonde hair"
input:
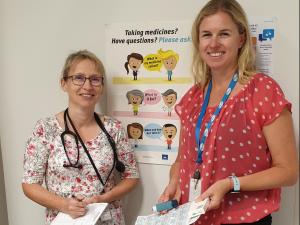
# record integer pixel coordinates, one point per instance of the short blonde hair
(79, 56)
(246, 57)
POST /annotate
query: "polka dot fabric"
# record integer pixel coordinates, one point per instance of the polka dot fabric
(235, 146)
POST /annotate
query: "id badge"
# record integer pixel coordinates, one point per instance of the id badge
(106, 215)
(195, 189)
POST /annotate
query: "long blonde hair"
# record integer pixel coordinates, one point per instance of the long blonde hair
(246, 57)
(167, 54)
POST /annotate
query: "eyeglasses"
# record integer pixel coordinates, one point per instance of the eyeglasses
(79, 80)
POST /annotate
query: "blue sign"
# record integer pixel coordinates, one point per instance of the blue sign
(164, 157)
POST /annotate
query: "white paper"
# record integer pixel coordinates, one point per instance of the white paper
(94, 212)
(197, 209)
(183, 215)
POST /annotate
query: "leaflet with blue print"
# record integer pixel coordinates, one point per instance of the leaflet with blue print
(184, 214)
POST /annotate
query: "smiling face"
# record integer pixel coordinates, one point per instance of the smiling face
(135, 100)
(85, 96)
(170, 100)
(219, 41)
(134, 63)
(135, 133)
(170, 63)
(169, 132)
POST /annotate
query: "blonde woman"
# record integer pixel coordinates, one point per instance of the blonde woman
(237, 143)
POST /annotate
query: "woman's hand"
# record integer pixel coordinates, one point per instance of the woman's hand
(96, 199)
(216, 193)
(121, 189)
(172, 191)
(75, 207)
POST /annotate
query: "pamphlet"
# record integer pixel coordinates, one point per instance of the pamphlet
(93, 214)
(184, 214)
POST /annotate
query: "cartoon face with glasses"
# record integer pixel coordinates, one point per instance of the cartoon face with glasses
(135, 98)
(83, 83)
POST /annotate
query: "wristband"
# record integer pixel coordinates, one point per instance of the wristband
(236, 184)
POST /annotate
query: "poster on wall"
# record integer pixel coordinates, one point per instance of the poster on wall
(149, 70)
(263, 32)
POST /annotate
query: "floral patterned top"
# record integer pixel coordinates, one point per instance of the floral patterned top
(45, 156)
(234, 146)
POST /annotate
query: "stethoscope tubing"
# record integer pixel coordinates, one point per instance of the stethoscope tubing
(116, 163)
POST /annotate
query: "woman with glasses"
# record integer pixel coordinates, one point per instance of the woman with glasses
(78, 152)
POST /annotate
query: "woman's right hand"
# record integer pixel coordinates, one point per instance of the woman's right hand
(172, 191)
(75, 207)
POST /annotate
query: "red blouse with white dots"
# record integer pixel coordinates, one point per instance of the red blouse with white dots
(235, 146)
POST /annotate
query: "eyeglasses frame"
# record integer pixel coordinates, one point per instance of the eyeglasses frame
(85, 78)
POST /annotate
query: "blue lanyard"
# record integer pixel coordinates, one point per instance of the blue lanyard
(200, 145)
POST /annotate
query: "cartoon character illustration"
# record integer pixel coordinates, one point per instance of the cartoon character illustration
(135, 132)
(169, 131)
(169, 97)
(134, 61)
(135, 98)
(170, 59)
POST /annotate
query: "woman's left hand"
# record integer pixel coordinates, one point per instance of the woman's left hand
(95, 199)
(216, 193)
(122, 188)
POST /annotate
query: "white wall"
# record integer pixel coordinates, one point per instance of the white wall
(36, 36)
(3, 208)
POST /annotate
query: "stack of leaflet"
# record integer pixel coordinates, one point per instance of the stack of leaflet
(185, 214)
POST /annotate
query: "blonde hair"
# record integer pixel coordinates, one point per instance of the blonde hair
(79, 56)
(246, 57)
(167, 54)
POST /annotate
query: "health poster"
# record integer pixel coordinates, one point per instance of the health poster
(148, 69)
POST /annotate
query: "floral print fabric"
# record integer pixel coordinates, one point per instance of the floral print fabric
(45, 156)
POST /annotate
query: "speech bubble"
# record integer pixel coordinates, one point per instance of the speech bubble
(153, 130)
(152, 62)
(151, 97)
(268, 33)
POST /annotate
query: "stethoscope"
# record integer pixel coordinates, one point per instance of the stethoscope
(120, 167)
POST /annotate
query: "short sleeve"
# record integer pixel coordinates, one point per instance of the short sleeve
(36, 155)
(125, 152)
(268, 99)
(187, 102)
